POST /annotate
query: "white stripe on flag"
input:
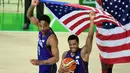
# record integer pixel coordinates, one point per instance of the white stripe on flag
(80, 26)
(116, 30)
(71, 23)
(71, 14)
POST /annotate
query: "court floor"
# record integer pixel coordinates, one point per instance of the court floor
(17, 48)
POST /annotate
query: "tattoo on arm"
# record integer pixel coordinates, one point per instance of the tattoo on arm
(30, 11)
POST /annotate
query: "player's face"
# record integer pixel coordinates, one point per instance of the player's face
(74, 45)
(44, 27)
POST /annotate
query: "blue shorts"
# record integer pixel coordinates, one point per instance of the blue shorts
(48, 68)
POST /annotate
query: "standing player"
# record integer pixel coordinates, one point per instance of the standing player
(80, 55)
(48, 53)
(106, 68)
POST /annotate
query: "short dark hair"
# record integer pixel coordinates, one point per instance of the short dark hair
(45, 18)
(73, 37)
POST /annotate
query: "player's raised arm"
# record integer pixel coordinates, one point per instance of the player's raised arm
(30, 12)
(88, 45)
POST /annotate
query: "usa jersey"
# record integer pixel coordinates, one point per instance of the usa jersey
(82, 66)
(44, 53)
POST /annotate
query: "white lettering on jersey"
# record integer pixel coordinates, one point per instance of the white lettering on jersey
(77, 62)
(77, 57)
(38, 50)
(40, 42)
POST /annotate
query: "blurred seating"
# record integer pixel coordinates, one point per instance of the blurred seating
(2, 2)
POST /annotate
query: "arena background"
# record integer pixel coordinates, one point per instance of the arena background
(17, 47)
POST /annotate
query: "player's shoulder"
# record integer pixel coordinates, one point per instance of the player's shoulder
(53, 37)
(64, 54)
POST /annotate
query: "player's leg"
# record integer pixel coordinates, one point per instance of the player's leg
(26, 20)
(110, 67)
(54, 69)
(104, 67)
(48, 68)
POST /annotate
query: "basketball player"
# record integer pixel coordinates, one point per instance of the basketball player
(80, 55)
(48, 54)
(106, 68)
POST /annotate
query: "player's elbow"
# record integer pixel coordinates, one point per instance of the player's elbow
(60, 70)
(28, 16)
(56, 59)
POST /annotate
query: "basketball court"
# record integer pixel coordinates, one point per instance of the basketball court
(18, 47)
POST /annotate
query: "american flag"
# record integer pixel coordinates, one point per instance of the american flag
(76, 17)
(112, 41)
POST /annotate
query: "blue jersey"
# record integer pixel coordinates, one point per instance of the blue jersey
(82, 66)
(44, 53)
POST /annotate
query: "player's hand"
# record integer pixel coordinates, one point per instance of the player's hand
(92, 15)
(35, 2)
(65, 69)
(36, 62)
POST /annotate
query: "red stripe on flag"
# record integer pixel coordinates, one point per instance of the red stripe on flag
(74, 16)
(115, 60)
(78, 23)
(113, 36)
(96, 10)
(82, 29)
(115, 48)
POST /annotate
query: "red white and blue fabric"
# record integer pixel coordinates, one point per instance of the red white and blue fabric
(112, 41)
(76, 17)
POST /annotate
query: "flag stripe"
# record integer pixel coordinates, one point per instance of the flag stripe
(81, 30)
(116, 30)
(115, 54)
(79, 22)
(118, 48)
(112, 43)
(112, 37)
(74, 16)
(74, 21)
(81, 26)
(125, 59)
(73, 13)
